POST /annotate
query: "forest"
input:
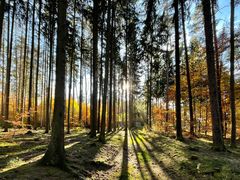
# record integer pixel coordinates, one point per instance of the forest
(119, 89)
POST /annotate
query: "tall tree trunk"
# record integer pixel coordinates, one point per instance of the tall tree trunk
(187, 72)
(86, 97)
(232, 81)
(101, 71)
(20, 74)
(2, 10)
(72, 60)
(69, 95)
(81, 71)
(105, 88)
(37, 68)
(218, 69)
(95, 68)
(24, 62)
(8, 73)
(3, 77)
(178, 87)
(111, 78)
(218, 143)
(31, 68)
(167, 89)
(51, 39)
(55, 154)
(126, 69)
(150, 92)
(114, 65)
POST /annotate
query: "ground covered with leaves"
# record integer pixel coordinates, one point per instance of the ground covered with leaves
(135, 154)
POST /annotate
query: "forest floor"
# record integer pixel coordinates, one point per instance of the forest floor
(135, 154)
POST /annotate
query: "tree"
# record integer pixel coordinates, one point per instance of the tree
(24, 59)
(105, 87)
(51, 30)
(31, 68)
(218, 69)
(187, 71)
(37, 68)
(2, 10)
(218, 143)
(232, 81)
(72, 60)
(178, 87)
(55, 154)
(81, 70)
(8, 72)
(95, 68)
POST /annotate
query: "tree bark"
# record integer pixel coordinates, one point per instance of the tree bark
(2, 10)
(218, 143)
(51, 42)
(105, 88)
(81, 71)
(31, 69)
(232, 80)
(24, 62)
(218, 69)
(101, 71)
(178, 87)
(187, 72)
(95, 68)
(55, 154)
(37, 68)
(8, 72)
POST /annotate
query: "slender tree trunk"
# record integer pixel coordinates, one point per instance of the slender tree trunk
(55, 154)
(167, 89)
(105, 88)
(2, 9)
(37, 68)
(16, 74)
(110, 78)
(73, 99)
(81, 71)
(150, 92)
(188, 72)
(126, 70)
(101, 72)
(8, 73)
(20, 76)
(232, 81)
(3, 77)
(69, 95)
(95, 68)
(218, 143)
(24, 63)
(51, 39)
(218, 69)
(72, 59)
(86, 97)
(31, 68)
(178, 87)
(114, 69)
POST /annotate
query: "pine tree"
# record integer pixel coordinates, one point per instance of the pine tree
(55, 154)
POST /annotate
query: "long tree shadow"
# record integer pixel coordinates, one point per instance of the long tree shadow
(124, 170)
(81, 151)
(28, 147)
(138, 160)
(154, 145)
(168, 171)
(144, 157)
